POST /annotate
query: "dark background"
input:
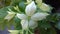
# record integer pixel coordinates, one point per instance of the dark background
(56, 5)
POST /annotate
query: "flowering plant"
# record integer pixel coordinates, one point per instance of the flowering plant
(29, 16)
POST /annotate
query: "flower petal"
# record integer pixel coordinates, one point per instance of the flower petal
(45, 7)
(29, 1)
(39, 2)
(39, 16)
(33, 24)
(24, 24)
(30, 8)
(21, 16)
(10, 16)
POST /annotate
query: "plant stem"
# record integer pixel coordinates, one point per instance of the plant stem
(22, 31)
(27, 32)
(30, 31)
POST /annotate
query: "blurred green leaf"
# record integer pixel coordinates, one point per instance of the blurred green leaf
(44, 24)
(53, 18)
(58, 25)
(17, 23)
(3, 13)
(48, 31)
(22, 6)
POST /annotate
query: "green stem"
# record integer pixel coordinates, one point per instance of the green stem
(22, 31)
(30, 31)
(19, 11)
(27, 32)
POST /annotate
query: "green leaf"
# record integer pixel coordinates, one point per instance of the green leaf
(17, 23)
(3, 13)
(53, 18)
(58, 25)
(48, 31)
(15, 2)
(44, 24)
(51, 31)
(22, 6)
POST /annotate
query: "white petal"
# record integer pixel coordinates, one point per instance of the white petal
(24, 24)
(21, 16)
(39, 16)
(28, 1)
(10, 16)
(39, 2)
(33, 24)
(30, 8)
(10, 12)
(45, 7)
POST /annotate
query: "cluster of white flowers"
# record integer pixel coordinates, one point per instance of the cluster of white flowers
(29, 20)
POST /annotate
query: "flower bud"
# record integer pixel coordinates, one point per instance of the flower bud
(45, 7)
(32, 24)
(24, 24)
(30, 8)
(16, 8)
(39, 16)
(21, 16)
(10, 16)
(29, 1)
(39, 2)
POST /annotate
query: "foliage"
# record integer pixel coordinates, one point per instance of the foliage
(44, 26)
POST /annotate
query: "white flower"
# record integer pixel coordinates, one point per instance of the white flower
(24, 24)
(39, 2)
(45, 7)
(21, 16)
(33, 24)
(28, 1)
(10, 16)
(30, 8)
(30, 19)
(39, 16)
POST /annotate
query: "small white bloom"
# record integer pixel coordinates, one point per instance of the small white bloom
(45, 7)
(10, 16)
(28, 1)
(39, 2)
(39, 16)
(17, 8)
(24, 24)
(33, 24)
(21, 16)
(30, 8)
